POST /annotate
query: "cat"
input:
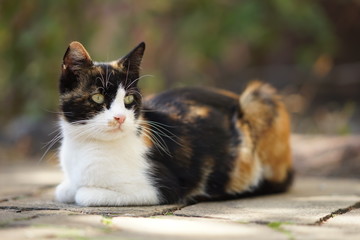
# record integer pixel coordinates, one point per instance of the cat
(180, 146)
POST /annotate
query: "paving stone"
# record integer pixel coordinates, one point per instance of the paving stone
(33, 188)
(310, 200)
(335, 156)
(348, 222)
(7, 217)
(309, 186)
(195, 228)
(28, 211)
(40, 232)
(319, 233)
(45, 201)
(18, 181)
(97, 227)
(32, 204)
(15, 218)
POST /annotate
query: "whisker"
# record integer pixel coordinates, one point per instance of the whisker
(138, 80)
(155, 131)
(108, 75)
(157, 123)
(102, 79)
(84, 134)
(50, 145)
(160, 130)
(158, 141)
(171, 136)
(133, 91)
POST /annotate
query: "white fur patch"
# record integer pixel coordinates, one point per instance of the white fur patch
(104, 162)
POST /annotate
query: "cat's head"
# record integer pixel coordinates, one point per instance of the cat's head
(99, 100)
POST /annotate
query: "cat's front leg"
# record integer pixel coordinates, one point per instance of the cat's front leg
(65, 192)
(93, 196)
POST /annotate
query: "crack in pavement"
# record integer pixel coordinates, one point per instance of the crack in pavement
(336, 213)
(114, 214)
(85, 211)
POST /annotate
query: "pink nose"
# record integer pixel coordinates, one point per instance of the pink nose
(120, 119)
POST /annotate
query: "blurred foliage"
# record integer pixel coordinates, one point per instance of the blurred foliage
(189, 42)
(31, 36)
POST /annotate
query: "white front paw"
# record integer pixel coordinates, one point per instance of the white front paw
(92, 196)
(86, 196)
(65, 193)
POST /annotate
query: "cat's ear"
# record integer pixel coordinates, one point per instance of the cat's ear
(131, 62)
(76, 57)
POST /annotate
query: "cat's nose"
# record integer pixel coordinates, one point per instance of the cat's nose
(120, 118)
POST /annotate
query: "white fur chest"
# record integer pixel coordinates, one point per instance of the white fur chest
(117, 170)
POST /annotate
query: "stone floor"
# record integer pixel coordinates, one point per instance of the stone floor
(315, 208)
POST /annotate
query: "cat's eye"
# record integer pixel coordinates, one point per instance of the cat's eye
(129, 99)
(98, 98)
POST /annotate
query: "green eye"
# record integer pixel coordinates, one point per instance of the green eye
(128, 99)
(98, 98)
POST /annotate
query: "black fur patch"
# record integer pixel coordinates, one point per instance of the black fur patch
(208, 136)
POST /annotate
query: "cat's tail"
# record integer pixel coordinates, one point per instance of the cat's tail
(259, 106)
(265, 116)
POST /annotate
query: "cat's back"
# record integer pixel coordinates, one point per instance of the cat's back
(190, 101)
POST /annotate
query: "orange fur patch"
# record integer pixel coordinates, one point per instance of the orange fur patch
(246, 169)
(226, 93)
(265, 149)
(198, 112)
(274, 148)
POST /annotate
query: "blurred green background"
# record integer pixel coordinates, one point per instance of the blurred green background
(308, 49)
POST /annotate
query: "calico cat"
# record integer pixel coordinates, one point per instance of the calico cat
(181, 146)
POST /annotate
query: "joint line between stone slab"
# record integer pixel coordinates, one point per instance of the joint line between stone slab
(335, 213)
(197, 216)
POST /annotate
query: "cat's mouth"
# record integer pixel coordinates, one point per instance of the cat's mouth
(114, 127)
